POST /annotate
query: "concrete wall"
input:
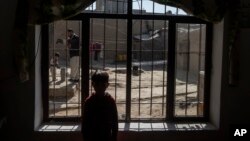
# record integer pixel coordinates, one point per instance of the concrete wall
(18, 99)
(117, 39)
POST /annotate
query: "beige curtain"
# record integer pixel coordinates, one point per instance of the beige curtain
(33, 12)
(44, 11)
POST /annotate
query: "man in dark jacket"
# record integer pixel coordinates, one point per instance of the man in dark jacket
(74, 52)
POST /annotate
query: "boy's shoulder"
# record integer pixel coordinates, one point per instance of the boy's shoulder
(109, 96)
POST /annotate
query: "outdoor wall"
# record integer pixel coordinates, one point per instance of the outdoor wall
(104, 32)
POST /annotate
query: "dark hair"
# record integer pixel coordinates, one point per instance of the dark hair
(100, 77)
(70, 30)
(57, 54)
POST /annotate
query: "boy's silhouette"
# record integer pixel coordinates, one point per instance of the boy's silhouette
(100, 119)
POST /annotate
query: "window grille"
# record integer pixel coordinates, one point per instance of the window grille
(158, 61)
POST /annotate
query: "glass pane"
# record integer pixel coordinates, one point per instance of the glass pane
(108, 49)
(149, 72)
(190, 60)
(64, 69)
(150, 7)
(108, 7)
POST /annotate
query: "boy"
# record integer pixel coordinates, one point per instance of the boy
(100, 119)
(54, 62)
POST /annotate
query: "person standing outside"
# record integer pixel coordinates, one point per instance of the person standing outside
(100, 117)
(74, 52)
(54, 64)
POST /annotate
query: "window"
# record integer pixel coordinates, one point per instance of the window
(158, 59)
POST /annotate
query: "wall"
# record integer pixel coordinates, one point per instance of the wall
(17, 98)
(235, 99)
(216, 71)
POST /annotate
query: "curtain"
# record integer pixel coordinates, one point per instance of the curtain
(45, 11)
(33, 12)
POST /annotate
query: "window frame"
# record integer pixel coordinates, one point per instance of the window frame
(173, 20)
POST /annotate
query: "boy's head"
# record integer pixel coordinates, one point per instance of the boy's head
(100, 81)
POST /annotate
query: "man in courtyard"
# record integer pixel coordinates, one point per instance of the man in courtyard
(73, 43)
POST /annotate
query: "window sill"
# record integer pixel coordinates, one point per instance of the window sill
(133, 126)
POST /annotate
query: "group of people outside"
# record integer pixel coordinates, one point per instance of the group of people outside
(73, 45)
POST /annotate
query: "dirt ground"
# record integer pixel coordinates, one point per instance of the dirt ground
(145, 85)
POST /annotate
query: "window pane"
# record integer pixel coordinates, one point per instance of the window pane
(108, 52)
(148, 94)
(108, 49)
(108, 7)
(150, 7)
(190, 60)
(64, 94)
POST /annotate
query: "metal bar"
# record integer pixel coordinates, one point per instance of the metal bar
(177, 11)
(80, 62)
(187, 71)
(92, 6)
(117, 6)
(153, 8)
(165, 10)
(53, 52)
(152, 68)
(171, 70)
(116, 46)
(178, 19)
(139, 110)
(199, 67)
(67, 57)
(129, 60)
(91, 44)
(70, 70)
(146, 103)
(188, 119)
(141, 6)
(65, 119)
(164, 66)
(105, 6)
(104, 42)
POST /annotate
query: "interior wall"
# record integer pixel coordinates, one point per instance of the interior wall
(216, 70)
(235, 98)
(17, 98)
(6, 71)
(38, 79)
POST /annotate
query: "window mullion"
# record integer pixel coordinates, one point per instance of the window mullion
(171, 70)
(208, 66)
(85, 56)
(45, 72)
